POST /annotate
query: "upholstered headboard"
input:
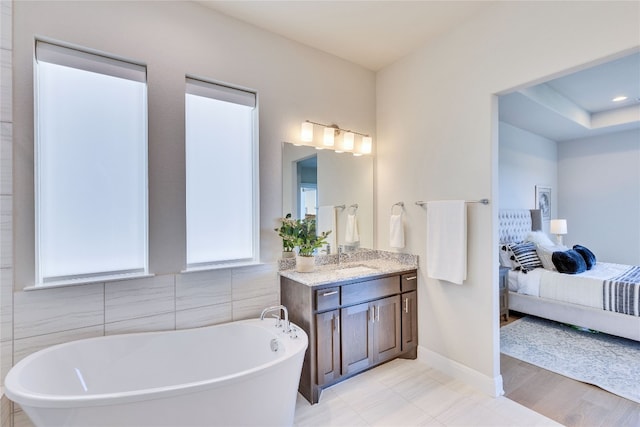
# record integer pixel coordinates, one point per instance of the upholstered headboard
(515, 224)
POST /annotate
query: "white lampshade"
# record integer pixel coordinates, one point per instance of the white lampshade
(347, 141)
(306, 132)
(328, 137)
(558, 226)
(365, 147)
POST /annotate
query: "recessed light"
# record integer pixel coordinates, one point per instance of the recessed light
(619, 98)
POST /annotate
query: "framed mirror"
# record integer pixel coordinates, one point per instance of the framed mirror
(314, 180)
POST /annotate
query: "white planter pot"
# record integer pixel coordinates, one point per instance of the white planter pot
(305, 264)
(288, 254)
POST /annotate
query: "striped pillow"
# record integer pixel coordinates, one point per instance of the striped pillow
(526, 255)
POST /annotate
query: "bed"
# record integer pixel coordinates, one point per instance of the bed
(605, 298)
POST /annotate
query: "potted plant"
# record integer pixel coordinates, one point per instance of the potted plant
(301, 234)
(285, 231)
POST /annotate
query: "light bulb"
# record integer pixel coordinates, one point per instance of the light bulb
(347, 141)
(306, 132)
(365, 147)
(328, 137)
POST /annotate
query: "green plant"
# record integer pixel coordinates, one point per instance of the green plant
(285, 231)
(301, 233)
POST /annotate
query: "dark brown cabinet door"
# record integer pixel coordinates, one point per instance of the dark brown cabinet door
(409, 301)
(357, 338)
(386, 329)
(328, 348)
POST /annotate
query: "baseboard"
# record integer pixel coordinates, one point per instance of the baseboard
(491, 386)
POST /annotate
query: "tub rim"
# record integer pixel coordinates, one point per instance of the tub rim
(18, 394)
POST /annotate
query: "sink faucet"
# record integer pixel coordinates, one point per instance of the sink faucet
(287, 325)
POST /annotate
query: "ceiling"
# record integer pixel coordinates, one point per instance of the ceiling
(580, 104)
(372, 34)
(377, 33)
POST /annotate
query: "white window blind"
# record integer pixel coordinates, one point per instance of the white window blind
(91, 165)
(221, 174)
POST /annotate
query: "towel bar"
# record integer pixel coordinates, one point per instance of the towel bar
(483, 201)
(401, 204)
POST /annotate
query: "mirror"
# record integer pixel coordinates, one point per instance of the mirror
(314, 178)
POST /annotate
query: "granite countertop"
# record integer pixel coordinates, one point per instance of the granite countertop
(332, 273)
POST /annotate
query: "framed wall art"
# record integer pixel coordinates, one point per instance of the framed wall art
(543, 201)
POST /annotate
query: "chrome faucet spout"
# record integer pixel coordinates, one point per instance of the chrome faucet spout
(287, 325)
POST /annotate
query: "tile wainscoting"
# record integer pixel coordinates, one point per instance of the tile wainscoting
(6, 201)
(46, 317)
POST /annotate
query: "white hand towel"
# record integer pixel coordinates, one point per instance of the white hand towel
(396, 231)
(351, 234)
(447, 240)
(327, 222)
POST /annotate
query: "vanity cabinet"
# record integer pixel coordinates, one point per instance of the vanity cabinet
(370, 334)
(328, 345)
(409, 308)
(352, 325)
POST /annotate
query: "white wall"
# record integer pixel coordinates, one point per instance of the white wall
(437, 139)
(526, 160)
(293, 82)
(599, 182)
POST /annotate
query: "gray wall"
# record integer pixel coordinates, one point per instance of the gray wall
(526, 160)
(599, 186)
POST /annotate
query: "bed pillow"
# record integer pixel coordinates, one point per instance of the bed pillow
(589, 257)
(526, 256)
(539, 238)
(507, 259)
(545, 253)
(569, 262)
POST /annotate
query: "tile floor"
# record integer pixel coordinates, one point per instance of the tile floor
(409, 393)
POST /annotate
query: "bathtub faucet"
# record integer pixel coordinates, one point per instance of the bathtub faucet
(287, 325)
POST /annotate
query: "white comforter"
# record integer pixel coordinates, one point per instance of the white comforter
(582, 289)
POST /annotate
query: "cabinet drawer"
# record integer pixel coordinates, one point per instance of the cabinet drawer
(327, 298)
(372, 289)
(409, 282)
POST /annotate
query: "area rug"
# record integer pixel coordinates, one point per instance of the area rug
(609, 362)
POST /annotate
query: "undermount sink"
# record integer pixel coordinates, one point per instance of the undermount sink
(356, 269)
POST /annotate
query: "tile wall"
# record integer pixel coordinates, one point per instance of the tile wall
(6, 203)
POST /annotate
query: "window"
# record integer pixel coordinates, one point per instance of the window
(221, 174)
(90, 165)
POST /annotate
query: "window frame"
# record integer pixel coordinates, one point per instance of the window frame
(208, 88)
(80, 58)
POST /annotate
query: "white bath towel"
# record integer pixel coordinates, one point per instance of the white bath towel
(396, 231)
(327, 222)
(447, 240)
(351, 234)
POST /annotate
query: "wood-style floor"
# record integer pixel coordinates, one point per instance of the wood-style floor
(569, 402)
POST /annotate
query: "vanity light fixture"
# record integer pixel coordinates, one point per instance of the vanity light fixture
(330, 134)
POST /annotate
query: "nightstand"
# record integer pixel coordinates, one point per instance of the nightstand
(503, 295)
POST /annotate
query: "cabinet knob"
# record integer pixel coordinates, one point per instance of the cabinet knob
(326, 294)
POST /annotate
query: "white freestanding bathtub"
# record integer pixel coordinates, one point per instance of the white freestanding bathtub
(241, 373)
